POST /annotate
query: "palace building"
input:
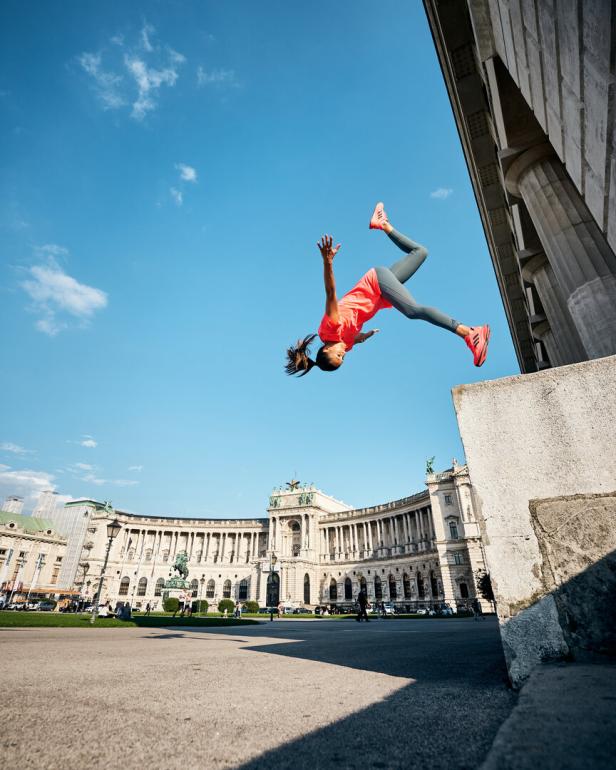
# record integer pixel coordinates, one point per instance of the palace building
(311, 549)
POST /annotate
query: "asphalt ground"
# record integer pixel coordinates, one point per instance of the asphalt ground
(388, 694)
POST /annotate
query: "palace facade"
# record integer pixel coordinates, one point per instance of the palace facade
(311, 549)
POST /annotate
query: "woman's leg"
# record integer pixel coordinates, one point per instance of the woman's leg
(393, 291)
(404, 268)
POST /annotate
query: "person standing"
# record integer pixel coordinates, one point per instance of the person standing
(362, 601)
(147, 608)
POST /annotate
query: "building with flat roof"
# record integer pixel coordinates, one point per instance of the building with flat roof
(311, 549)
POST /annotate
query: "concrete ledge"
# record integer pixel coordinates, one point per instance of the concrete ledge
(528, 439)
(564, 720)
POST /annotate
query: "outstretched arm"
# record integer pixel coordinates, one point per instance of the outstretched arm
(328, 252)
(361, 337)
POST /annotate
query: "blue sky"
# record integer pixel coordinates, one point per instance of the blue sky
(167, 168)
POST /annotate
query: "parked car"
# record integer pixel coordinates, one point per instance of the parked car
(421, 611)
(389, 609)
(268, 610)
(302, 611)
(45, 606)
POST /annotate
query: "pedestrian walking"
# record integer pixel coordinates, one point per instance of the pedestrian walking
(362, 601)
(147, 608)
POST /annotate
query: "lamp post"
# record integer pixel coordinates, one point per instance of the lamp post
(200, 606)
(270, 592)
(113, 528)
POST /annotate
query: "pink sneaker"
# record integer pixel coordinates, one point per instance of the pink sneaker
(379, 217)
(477, 341)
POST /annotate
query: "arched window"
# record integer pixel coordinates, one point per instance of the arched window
(124, 584)
(296, 541)
(453, 530)
(194, 588)
(210, 589)
(378, 587)
(160, 584)
(226, 589)
(464, 590)
(421, 591)
(433, 584)
(306, 588)
(333, 590)
(348, 589)
(142, 586)
(393, 592)
(273, 589)
(406, 586)
(243, 594)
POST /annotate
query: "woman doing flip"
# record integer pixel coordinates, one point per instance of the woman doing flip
(380, 287)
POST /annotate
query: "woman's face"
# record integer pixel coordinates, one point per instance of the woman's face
(335, 353)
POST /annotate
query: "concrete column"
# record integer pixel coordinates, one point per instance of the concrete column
(562, 341)
(583, 262)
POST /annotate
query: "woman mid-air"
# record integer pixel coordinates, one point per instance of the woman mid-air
(380, 287)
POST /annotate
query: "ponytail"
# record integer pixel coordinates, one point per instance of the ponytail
(298, 361)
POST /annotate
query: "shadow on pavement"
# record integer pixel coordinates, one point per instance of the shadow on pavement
(446, 718)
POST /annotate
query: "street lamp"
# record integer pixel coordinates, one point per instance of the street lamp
(113, 529)
(200, 606)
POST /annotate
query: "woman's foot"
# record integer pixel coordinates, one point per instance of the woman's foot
(477, 340)
(379, 218)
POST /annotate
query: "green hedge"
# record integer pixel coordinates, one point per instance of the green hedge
(171, 604)
(201, 606)
(251, 607)
(226, 604)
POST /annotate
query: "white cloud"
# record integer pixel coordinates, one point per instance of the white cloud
(136, 468)
(50, 250)
(187, 173)
(89, 442)
(177, 196)
(106, 84)
(83, 467)
(7, 446)
(216, 77)
(26, 483)
(146, 30)
(99, 482)
(146, 67)
(441, 193)
(54, 293)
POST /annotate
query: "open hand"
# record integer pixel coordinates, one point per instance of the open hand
(328, 252)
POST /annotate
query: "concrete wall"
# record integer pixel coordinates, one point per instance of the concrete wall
(529, 438)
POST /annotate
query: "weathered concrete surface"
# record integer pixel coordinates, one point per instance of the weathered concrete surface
(565, 719)
(280, 695)
(536, 436)
(577, 538)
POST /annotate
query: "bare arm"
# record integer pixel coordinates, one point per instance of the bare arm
(328, 252)
(361, 337)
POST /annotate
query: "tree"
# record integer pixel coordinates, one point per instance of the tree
(484, 585)
(171, 604)
(226, 604)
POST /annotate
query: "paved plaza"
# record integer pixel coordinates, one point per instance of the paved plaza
(320, 694)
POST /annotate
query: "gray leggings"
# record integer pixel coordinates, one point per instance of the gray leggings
(391, 280)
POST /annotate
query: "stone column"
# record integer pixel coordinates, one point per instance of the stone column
(582, 261)
(561, 340)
